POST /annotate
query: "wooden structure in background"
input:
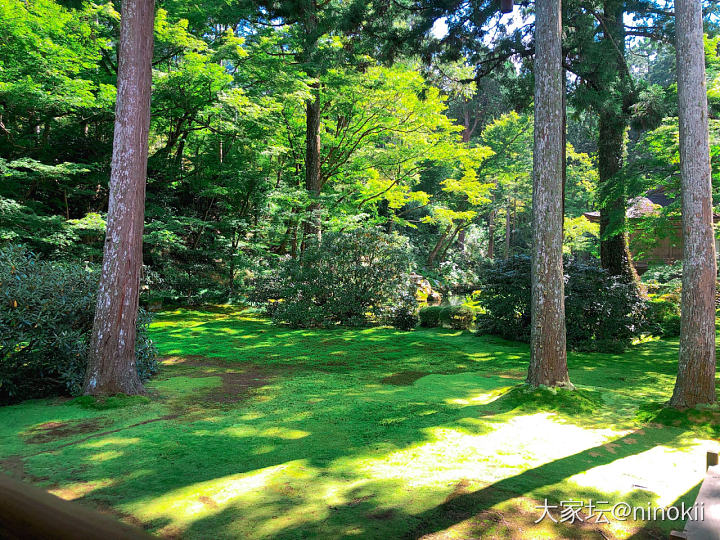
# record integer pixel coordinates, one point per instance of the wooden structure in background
(666, 250)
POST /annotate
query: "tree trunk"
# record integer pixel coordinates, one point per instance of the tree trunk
(507, 231)
(491, 228)
(491, 234)
(313, 180)
(438, 246)
(548, 360)
(614, 249)
(564, 146)
(461, 239)
(696, 368)
(111, 359)
(450, 241)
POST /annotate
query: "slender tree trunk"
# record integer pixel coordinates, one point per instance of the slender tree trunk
(491, 232)
(564, 146)
(446, 247)
(461, 239)
(507, 232)
(548, 360)
(438, 246)
(696, 368)
(111, 361)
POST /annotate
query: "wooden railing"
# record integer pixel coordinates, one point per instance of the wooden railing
(707, 528)
(27, 512)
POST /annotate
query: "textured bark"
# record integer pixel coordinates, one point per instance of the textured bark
(111, 361)
(313, 120)
(460, 239)
(439, 245)
(491, 231)
(614, 249)
(696, 368)
(548, 360)
(508, 228)
(564, 146)
(456, 232)
(313, 180)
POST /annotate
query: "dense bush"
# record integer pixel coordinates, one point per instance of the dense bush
(430, 316)
(601, 312)
(402, 313)
(505, 298)
(189, 284)
(350, 278)
(46, 316)
(663, 273)
(664, 278)
(664, 316)
(459, 317)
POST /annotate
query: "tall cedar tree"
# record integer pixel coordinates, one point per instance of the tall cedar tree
(599, 66)
(111, 362)
(612, 123)
(548, 358)
(696, 369)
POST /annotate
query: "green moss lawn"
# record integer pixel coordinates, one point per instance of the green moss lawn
(256, 431)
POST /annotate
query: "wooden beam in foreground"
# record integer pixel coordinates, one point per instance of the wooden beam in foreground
(29, 512)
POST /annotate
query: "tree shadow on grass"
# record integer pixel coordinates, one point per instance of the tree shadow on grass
(361, 515)
(333, 407)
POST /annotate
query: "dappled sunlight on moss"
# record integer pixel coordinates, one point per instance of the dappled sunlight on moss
(662, 472)
(105, 456)
(370, 433)
(77, 490)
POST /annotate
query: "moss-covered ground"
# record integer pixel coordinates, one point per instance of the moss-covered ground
(256, 431)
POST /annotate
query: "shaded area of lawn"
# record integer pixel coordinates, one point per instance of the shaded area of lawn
(258, 431)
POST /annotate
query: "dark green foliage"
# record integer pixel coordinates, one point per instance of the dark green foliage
(505, 297)
(188, 284)
(350, 278)
(430, 316)
(602, 313)
(460, 317)
(664, 278)
(46, 316)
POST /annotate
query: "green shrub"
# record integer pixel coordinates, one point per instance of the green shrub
(188, 284)
(663, 318)
(46, 316)
(430, 316)
(355, 278)
(403, 312)
(601, 311)
(460, 317)
(663, 273)
(505, 297)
